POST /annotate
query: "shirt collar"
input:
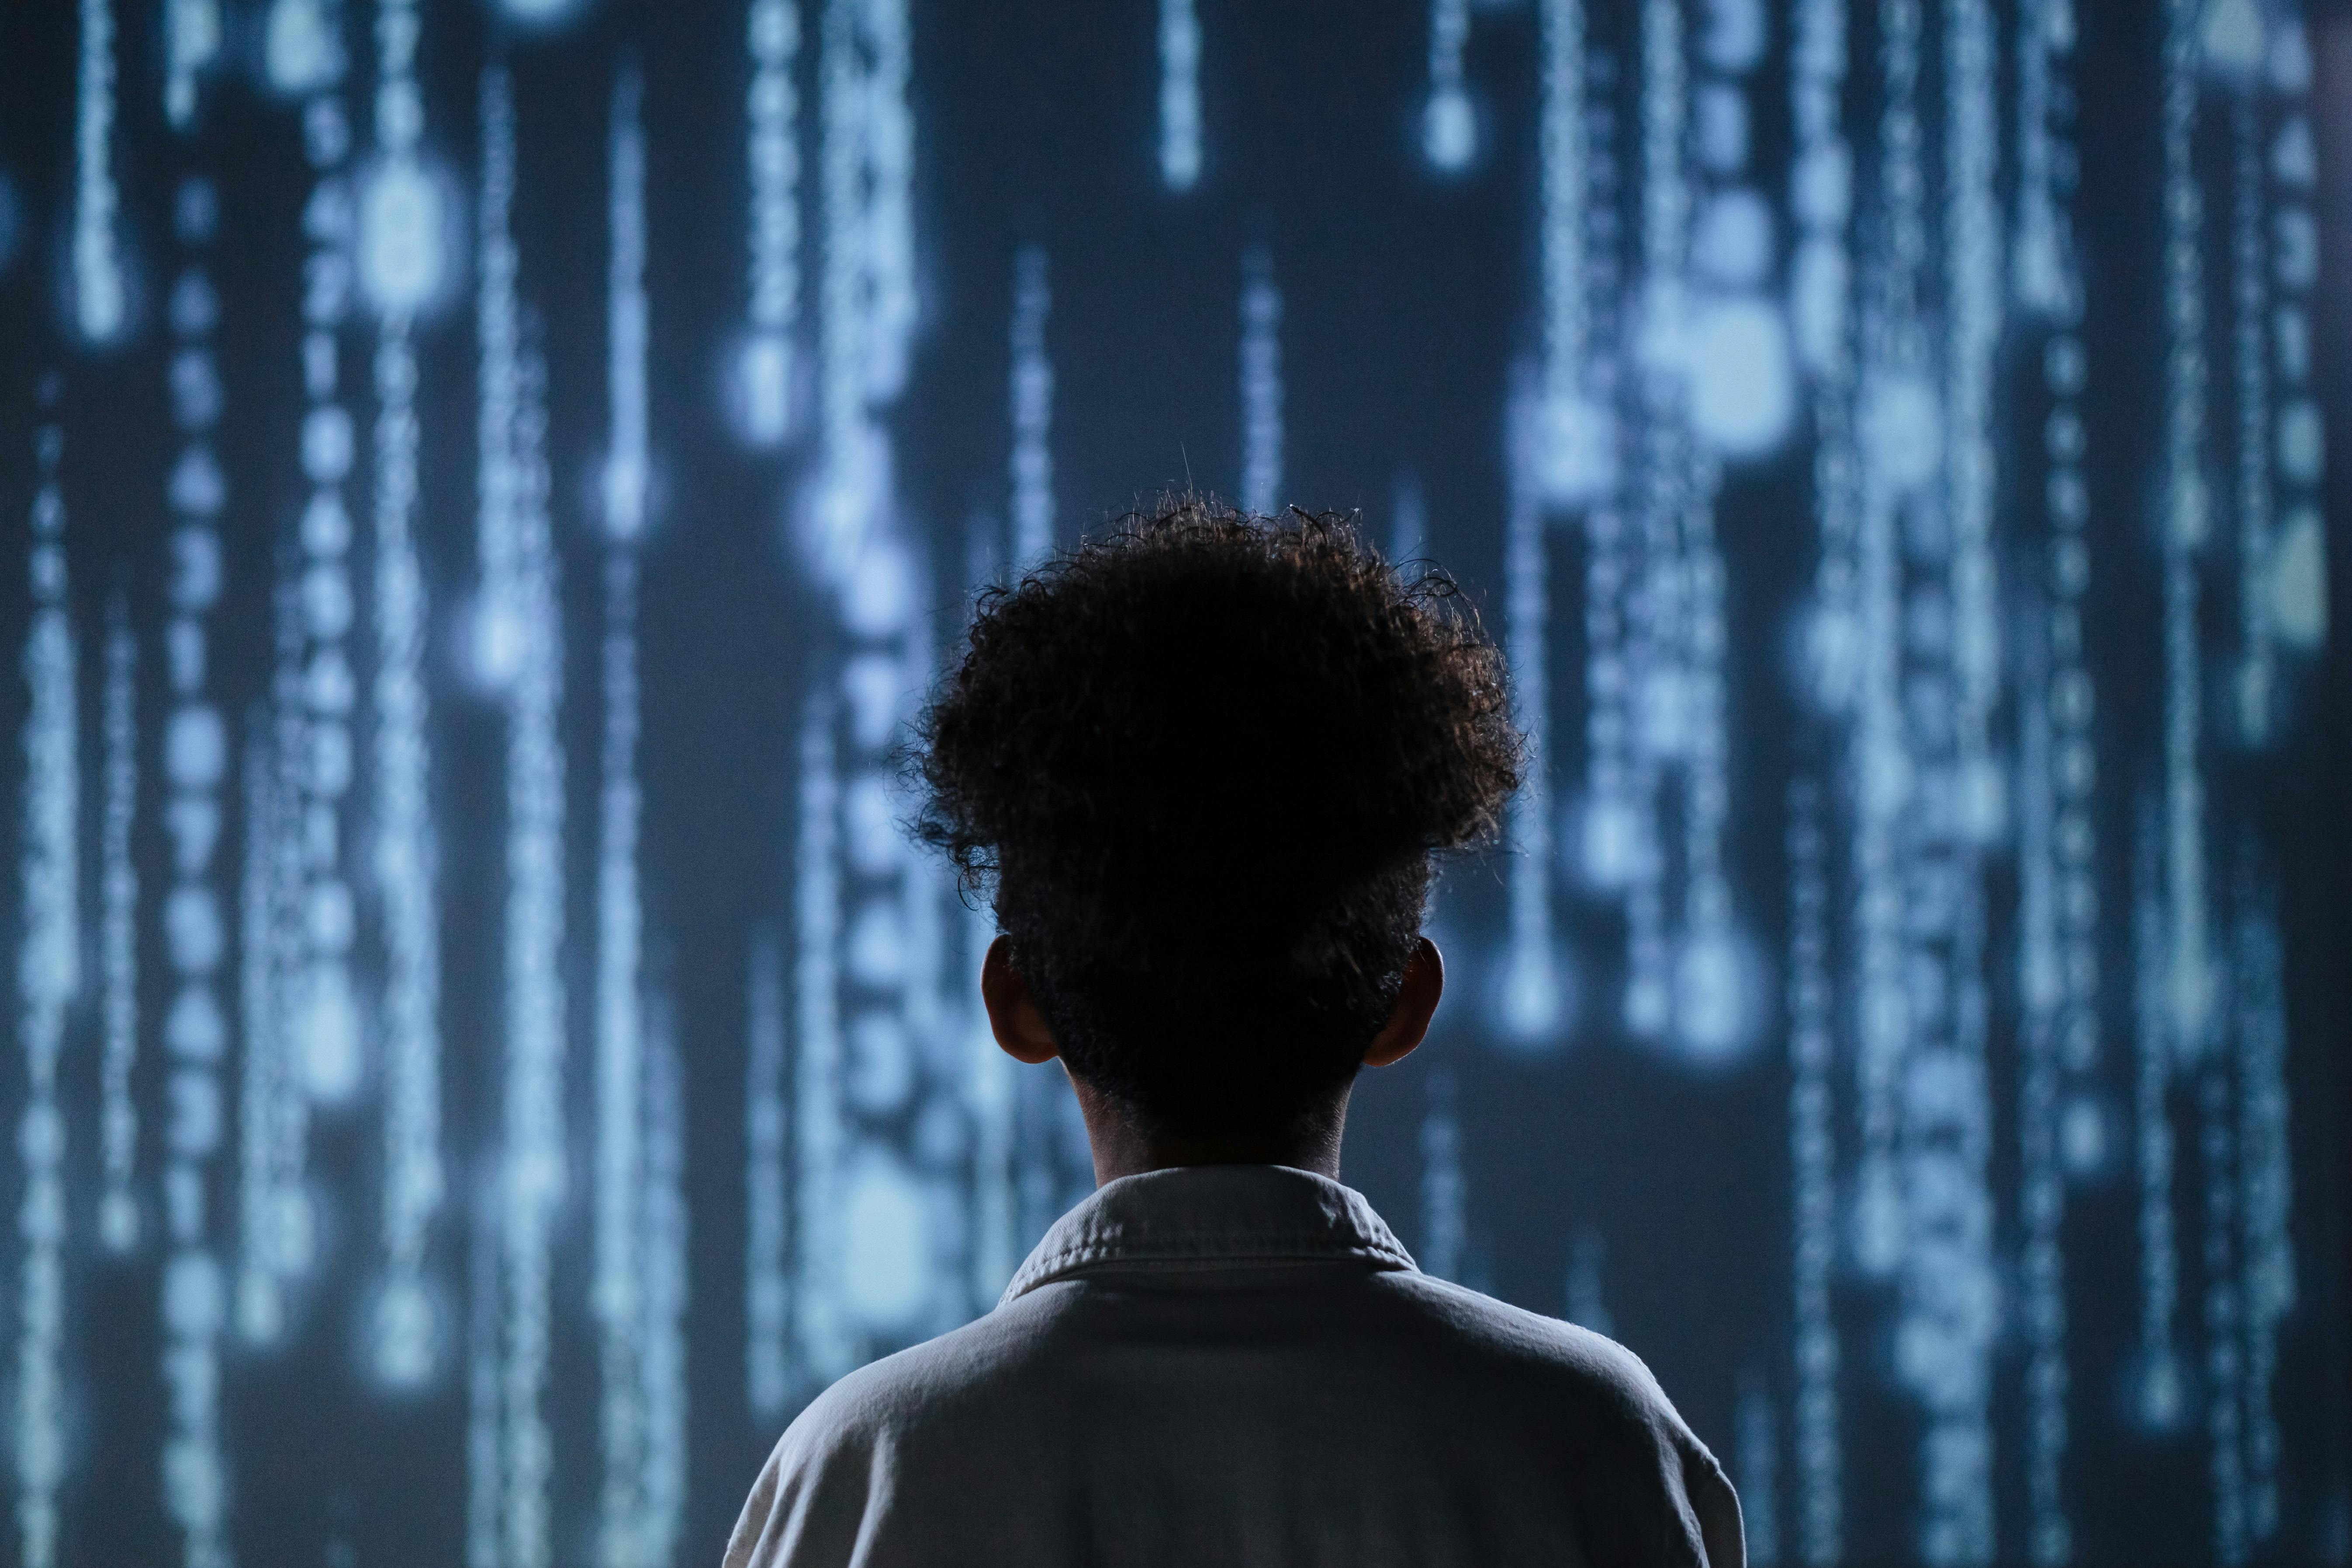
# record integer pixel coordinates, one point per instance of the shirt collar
(1196, 1215)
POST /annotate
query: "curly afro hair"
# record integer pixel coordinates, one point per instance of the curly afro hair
(1206, 763)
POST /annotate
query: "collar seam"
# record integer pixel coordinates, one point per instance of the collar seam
(1074, 1259)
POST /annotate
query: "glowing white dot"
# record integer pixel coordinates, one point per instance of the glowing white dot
(625, 484)
(871, 833)
(1903, 430)
(501, 641)
(2298, 583)
(195, 749)
(1611, 842)
(2083, 1137)
(1732, 37)
(886, 1275)
(1719, 115)
(1449, 130)
(1534, 1000)
(402, 249)
(192, 929)
(2294, 156)
(407, 1333)
(1833, 655)
(1577, 458)
(327, 1037)
(1878, 1218)
(763, 388)
(1712, 1009)
(877, 945)
(1731, 244)
(2302, 441)
(301, 50)
(881, 1064)
(1743, 396)
(2231, 36)
(2160, 1393)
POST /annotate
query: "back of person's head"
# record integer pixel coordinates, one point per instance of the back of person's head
(1206, 761)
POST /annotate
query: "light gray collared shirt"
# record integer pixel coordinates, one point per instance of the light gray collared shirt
(1240, 1364)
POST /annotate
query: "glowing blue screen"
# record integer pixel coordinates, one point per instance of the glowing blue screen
(487, 480)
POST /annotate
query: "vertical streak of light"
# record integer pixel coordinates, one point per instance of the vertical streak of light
(1758, 1460)
(847, 494)
(2266, 1177)
(2060, 979)
(101, 295)
(1575, 465)
(1972, 242)
(1449, 126)
(2249, 267)
(1821, 281)
(264, 1100)
(509, 1446)
(1822, 183)
(2160, 1394)
(1901, 417)
(1715, 1013)
(2188, 961)
(886, 136)
(192, 40)
(2286, 589)
(1409, 522)
(878, 1255)
(1586, 1285)
(48, 975)
(2223, 1316)
(301, 1024)
(772, 155)
(1951, 1314)
(767, 1229)
(2040, 1189)
(404, 257)
(662, 1214)
(2042, 254)
(118, 1214)
(1533, 1008)
(1033, 412)
(274, 1213)
(820, 1336)
(484, 1541)
(1444, 1193)
(1261, 384)
(195, 761)
(534, 1176)
(620, 1023)
(1655, 629)
(1180, 94)
(865, 156)
(1813, 1160)
(1576, 461)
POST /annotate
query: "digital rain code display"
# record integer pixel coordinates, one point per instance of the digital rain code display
(488, 481)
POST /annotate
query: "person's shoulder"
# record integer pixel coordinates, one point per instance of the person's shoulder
(918, 1383)
(1591, 1372)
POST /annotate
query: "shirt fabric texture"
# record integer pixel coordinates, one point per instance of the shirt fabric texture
(1239, 1365)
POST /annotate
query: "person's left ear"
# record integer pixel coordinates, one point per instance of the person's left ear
(1408, 1024)
(1013, 1017)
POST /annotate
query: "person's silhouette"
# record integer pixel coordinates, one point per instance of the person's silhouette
(1206, 766)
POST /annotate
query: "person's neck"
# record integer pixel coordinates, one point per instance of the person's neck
(1121, 1148)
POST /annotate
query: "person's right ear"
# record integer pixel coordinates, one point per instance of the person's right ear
(1425, 983)
(1013, 1017)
